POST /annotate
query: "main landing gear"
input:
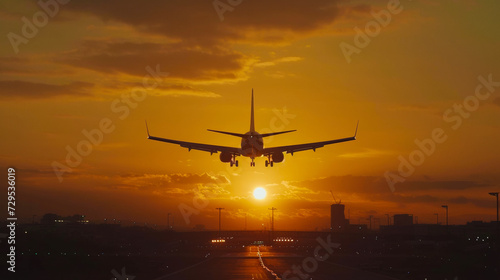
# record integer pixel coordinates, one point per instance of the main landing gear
(233, 162)
(269, 161)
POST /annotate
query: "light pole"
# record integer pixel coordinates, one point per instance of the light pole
(272, 217)
(446, 206)
(168, 221)
(272, 224)
(437, 218)
(495, 194)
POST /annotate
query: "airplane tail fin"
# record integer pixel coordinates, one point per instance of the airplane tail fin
(252, 124)
(276, 133)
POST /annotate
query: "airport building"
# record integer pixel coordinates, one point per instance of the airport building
(403, 219)
(338, 221)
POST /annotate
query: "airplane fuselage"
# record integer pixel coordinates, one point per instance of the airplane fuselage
(252, 144)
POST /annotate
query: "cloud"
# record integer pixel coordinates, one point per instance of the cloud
(199, 179)
(34, 90)
(143, 182)
(179, 89)
(277, 61)
(197, 21)
(186, 38)
(9, 65)
(164, 89)
(161, 181)
(179, 61)
(372, 184)
(368, 153)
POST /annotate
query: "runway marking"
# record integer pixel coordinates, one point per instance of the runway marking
(264, 266)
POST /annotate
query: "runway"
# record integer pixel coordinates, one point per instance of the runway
(247, 265)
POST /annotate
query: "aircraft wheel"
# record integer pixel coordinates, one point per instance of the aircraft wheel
(236, 163)
(267, 163)
(231, 164)
(272, 163)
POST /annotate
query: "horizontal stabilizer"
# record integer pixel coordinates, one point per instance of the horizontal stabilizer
(276, 133)
(228, 133)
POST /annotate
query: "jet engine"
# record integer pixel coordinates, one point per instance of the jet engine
(225, 157)
(278, 157)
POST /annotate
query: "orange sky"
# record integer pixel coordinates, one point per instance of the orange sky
(80, 65)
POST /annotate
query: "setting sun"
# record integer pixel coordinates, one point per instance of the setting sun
(259, 193)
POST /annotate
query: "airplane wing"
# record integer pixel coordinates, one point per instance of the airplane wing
(212, 149)
(290, 149)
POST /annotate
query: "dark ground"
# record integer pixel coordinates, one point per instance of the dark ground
(90, 252)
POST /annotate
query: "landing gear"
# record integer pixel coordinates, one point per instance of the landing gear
(233, 161)
(252, 163)
(269, 161)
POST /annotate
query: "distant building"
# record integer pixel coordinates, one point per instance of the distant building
(50, 219)
(403, 219)
(338, 220)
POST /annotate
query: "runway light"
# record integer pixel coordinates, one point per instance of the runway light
(218, 240)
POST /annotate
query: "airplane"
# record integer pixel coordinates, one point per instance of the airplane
(252, 145)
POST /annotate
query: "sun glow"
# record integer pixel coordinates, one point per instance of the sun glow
(259, 193)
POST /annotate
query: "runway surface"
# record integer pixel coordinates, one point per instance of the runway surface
(270, 265)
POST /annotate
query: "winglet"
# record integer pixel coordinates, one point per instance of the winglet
(356, 132)
(147, 129)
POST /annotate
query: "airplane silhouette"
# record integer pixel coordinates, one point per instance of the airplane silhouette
(252, 145)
